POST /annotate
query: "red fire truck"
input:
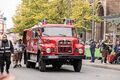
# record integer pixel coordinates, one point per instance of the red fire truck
(53, 44)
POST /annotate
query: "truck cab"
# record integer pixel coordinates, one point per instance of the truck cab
(53, 44)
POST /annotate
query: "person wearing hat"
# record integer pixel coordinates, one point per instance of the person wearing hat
(105, 50)
(6, 48)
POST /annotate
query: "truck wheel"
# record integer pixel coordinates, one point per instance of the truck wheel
(42, 66)
(27, 64)
(77, 65)
(25, 59)
(118, 60)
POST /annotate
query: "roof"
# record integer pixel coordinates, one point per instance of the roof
(34, 27)
(26, 29)
(51, 25)
(58, 25)
(114, 19)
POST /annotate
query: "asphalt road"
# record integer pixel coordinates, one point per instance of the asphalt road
(66, 73)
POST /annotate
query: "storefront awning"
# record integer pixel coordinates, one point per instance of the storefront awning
(114, 19)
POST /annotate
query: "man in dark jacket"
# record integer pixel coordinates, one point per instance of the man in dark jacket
(92, 50)
(117, 51)
(6, 48)
(117, 47)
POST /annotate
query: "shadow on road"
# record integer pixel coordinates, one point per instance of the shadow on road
(50, 69)
(64, 69)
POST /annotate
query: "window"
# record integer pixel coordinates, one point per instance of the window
(58, 31)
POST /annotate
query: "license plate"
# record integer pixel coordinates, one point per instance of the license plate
(33, 57)
(52, 56)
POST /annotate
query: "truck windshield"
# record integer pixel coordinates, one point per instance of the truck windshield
(58, 31)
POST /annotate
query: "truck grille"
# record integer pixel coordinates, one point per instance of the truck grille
(64, 46)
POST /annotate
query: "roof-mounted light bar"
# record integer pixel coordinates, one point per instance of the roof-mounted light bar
(68, 21)
(44, 22)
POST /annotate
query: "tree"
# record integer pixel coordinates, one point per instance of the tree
(30, 12)
(81, 12)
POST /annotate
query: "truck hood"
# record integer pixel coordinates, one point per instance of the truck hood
(54, 40)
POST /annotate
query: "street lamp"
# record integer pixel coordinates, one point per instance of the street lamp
(93, 23)
(93, 28)
(2, 19)
(68, 8)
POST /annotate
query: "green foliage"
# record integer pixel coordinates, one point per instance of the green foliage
(81, 12)
(30, 12)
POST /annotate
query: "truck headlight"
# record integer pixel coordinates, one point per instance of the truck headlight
(80, 51)
(69, 43)
(48, 50)
(60, 42)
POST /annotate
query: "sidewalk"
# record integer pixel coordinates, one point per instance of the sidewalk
(98, 64)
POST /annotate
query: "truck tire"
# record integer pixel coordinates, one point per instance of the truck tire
(77, 65)
(42, 66)
(25, 59)
(27, 64)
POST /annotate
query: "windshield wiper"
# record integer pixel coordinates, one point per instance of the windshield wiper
(62, 35)
(46, 34)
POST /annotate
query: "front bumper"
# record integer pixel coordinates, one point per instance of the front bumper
(66, 57)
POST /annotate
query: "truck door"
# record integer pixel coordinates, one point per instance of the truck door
(34, 41)
(28, 40)
(25, 38)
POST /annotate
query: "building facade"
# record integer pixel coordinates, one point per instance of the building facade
(111, 10)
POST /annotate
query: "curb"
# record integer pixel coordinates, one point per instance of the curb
(105, 66)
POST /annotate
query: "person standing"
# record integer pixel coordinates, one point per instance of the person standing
(92, 50)
(15, 56)
(116, 48)
(20, 52)
(105, 50)
(6, 48)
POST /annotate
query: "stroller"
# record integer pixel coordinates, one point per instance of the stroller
(114, 58)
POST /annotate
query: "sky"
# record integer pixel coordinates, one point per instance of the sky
(8, 7)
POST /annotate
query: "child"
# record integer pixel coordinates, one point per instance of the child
(15, 56)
